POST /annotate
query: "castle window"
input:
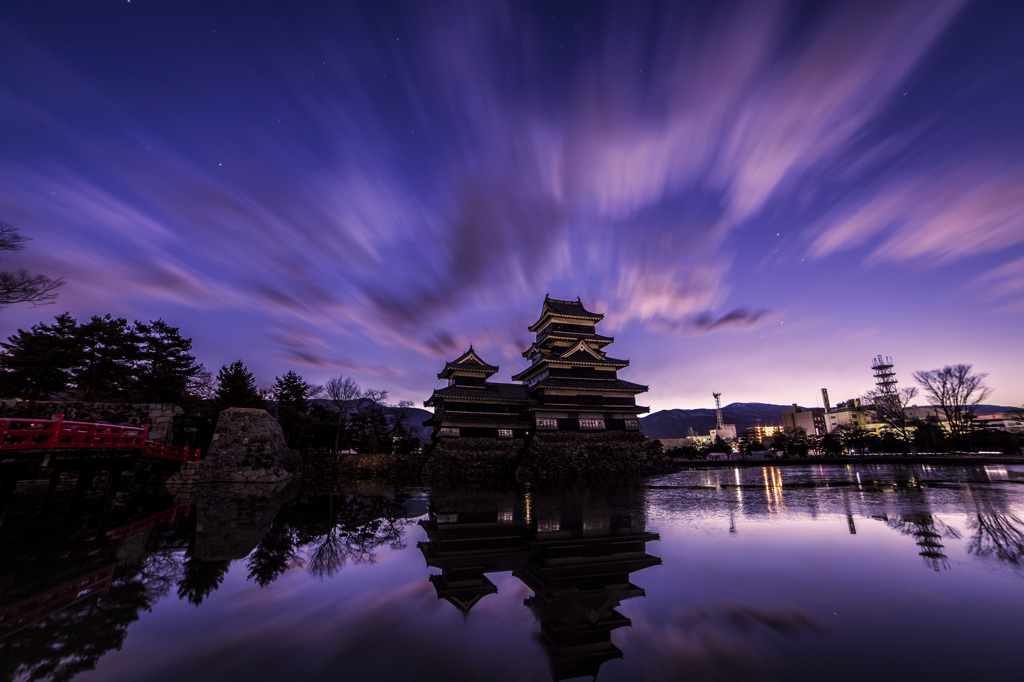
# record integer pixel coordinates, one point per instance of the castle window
(547, 424)
(591, 424)
(632, 424)
(504, 433)
(450, 432)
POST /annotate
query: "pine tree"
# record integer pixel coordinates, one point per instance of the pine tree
(167, 369)
(236, 387)
(110, 355)
(40, 363)
(292, 395)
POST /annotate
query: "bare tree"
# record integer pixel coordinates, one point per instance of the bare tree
(957, 391)
(400, 417)
(341, 391)
(21, 286)
(890, 408)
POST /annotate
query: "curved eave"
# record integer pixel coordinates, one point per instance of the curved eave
(439, 396)
(548, 363)
(569, 336)
(627, 387)
(539, 324)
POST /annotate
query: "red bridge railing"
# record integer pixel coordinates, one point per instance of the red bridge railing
(33, 609)
(54, 433)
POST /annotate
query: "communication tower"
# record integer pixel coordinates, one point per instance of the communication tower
(824, 396)
(885, 378)
(718, 411)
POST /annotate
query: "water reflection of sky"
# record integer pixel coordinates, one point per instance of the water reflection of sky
(782, 573)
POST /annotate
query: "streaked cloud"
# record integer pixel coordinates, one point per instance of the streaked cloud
(404, 184)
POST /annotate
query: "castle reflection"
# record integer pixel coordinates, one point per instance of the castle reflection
(84, 553)
(575, 552)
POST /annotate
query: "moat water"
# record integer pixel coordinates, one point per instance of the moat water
(856, 572)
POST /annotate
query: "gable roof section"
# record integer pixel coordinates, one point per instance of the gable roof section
(554, 307)
(467, 362)
(581, 352)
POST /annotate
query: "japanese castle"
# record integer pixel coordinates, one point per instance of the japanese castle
(570, 385)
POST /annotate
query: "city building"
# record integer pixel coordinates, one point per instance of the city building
(812, 420)
(1014, 423)
(850, 414)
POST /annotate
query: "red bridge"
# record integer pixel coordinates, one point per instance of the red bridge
(55, 433)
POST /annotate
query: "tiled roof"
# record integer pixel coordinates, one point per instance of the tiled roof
(591, 384)
(554, 306)
(570, 308)
(467, 362)
(485, 392)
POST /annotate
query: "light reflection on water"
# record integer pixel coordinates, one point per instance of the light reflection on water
(774, 572)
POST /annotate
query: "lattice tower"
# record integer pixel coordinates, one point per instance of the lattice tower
(885, 378)
(718, 411)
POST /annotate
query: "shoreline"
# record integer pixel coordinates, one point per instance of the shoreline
(959, 459)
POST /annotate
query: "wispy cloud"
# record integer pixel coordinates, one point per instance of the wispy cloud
(406, 183)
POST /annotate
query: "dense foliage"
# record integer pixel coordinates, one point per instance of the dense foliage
(104, 359)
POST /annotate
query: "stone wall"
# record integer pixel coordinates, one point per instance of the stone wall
(248, 447)
(159, 416)
(473, 460)
(580, 457)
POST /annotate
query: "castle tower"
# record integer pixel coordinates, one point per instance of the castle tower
(572, 383)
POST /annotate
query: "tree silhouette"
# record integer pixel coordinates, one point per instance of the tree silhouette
(21, 286)
(293, 395)
(200, 578)
(957, 391)
(236, 387)
(341, 391)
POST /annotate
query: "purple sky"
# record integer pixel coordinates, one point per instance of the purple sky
(760, 196)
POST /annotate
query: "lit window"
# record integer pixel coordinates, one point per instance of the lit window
(632, 424)
(592, 424)
(504, 433)
(450, 432)
(547, 424)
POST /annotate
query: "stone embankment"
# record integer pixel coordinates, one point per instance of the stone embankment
(566, 457)
(159, 416)
(248, 447)
(459, 460)
(557, 458)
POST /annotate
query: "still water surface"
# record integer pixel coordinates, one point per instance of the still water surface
(775, 573)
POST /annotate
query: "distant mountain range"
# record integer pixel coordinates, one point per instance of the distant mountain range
(677, 423)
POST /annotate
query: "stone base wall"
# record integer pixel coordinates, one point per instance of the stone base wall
(570, 457)
(248, 447)
(472, 460)
(159, 416)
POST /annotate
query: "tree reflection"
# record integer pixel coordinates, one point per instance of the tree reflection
(200, 578)
(997, 535)
(357, 527)
(273, 555)
(326, 533)
(72, 640)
